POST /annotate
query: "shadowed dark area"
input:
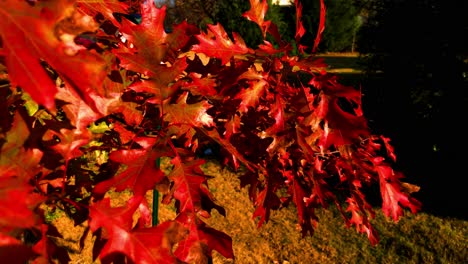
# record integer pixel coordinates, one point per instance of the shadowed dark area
(419, 100)
(429, 148)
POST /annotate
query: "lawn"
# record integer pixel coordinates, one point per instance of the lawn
(420, 238)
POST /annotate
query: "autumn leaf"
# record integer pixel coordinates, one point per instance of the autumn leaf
(360, 218)
(81, 115)
(150, 46)
(160, 85)
(341, 109)
(68, 142)
(14, 159)
(34, 33)
(180, 39)
(251, 95)
(106, 8)
(300, 30)
(200, 85)
(182, 113)
(191, 188)
(125, 134)
(216, 43)
(392, 196)
(236, 156)
(141, 173)
(14, 140)
(305, 215)
(321, 26)
(278, 113)
(13, 251)
(232, 127)
(266, 200)
(17, 203)
(17, 198)
(46, 248)
(147, 38)
(131, 114)
(256, 13)
(17, 167)
(141, 245)
(197, 247)
(133, 92)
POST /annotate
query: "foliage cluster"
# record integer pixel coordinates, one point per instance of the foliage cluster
(94, 93)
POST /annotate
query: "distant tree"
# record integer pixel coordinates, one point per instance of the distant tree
(342, 23)
(226, 12)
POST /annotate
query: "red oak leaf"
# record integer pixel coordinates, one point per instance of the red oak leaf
(199, 85)
(14, 159)
(277, 112)
(14, 140)
(265, 201)
(201, 241)
(77, 111)
(34, 33)
(70, 141)
(304, 214)
(106, 8)
(16, 203)
(389, 148)
(321, 193)
(216, 43)
(125, 134)
(251, 96)
(150, 45)
(141, 173)
(392, 195)
(179, 39)
(81, 115)
(47, 249)
(141, 245)
(131, 114)
(17, 167)
(268, 48)
(149, 35)
(232, 127)
(343, 124)
(256, 13)
(227, 145)
(191, 188)
(360, 219)
(300, 30)
(187, 114)
(321, 26)
(13, 251)
(159, 84)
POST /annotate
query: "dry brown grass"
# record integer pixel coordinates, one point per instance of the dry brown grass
(415, 239)
(278, 241)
